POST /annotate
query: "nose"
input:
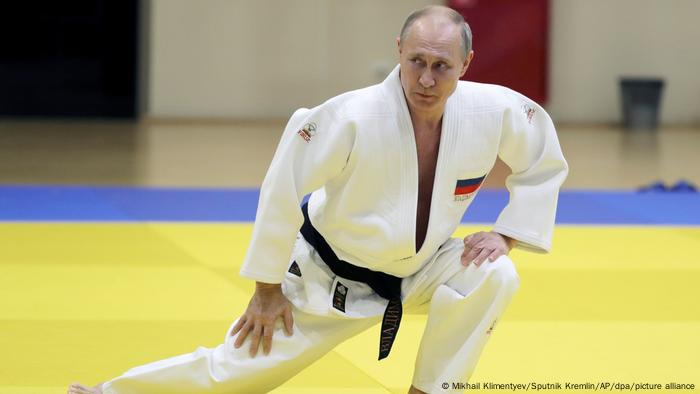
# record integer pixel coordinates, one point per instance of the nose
(426, 79)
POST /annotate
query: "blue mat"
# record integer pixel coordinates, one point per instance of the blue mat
(134, 204)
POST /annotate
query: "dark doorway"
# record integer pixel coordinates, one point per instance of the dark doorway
(73, 58)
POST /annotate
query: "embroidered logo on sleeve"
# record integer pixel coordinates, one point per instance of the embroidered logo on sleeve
(465, 188)
(308, 131)
(341, 292)
(529, 112)
(294, 269)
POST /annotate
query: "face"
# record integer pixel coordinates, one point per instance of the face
(432, 62)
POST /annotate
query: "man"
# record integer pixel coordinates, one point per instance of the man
(392, 168)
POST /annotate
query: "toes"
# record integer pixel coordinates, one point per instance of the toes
(77, 388)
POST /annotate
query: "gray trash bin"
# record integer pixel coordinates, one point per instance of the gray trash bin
(641, 102)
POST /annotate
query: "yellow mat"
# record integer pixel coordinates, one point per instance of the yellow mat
(88, 301)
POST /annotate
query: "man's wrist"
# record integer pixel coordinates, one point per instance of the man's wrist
(262, 286)
(510, 242)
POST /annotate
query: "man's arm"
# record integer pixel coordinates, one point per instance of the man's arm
(530, 147)
(314, 148)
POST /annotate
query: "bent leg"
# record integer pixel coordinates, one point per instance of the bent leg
(463, 312)
(225, 369)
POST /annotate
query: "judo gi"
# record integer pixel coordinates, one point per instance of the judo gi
(356, 154)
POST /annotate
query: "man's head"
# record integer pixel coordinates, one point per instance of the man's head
(435, 51)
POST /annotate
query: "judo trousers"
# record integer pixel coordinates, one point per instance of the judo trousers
(463, 306)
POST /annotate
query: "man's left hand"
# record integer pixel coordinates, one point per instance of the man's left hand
(479, 247)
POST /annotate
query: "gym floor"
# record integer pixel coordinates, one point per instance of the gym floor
(120, 244)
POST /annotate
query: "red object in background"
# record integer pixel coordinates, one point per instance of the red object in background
(511, 40)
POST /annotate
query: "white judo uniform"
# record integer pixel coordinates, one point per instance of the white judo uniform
(357, 154)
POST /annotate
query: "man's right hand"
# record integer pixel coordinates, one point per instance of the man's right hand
(267, 304)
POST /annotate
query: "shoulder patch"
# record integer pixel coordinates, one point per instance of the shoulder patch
(308, 131)
(529, 112)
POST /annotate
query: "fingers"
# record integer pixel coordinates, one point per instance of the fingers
(468, 239)
(239, 325)
(472, 239)
(495, 255)
(255, 340)
(468, 256)
(77, 388)
(267, 338)
(473, 252)
(472, 247)
(481, 257)
(261, 333)
(243, 334)
(288, 322)
(482, 246)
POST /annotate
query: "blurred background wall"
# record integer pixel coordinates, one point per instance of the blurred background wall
(593, 42)
(264, 58)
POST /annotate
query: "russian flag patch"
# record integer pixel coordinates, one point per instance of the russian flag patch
(465, 188)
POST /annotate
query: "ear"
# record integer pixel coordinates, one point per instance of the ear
(465, 65)
(398, 43)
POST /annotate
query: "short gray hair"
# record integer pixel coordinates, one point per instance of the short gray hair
(451, 14)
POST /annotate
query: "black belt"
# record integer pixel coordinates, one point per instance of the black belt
(385, 285)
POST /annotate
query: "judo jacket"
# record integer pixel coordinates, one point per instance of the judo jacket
(356, 154)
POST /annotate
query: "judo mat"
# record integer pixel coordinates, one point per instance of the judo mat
(96, 280)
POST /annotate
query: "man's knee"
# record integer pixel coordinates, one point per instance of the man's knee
(498, 275)
(504, 274)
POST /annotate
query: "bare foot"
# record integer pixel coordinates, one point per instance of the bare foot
(77, 388)
(413, 390)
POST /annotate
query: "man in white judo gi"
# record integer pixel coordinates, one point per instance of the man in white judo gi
(392, 168)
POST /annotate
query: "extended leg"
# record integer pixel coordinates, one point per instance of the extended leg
(225, 369)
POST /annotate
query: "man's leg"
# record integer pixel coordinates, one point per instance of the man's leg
(225, 369)
(462, 314)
